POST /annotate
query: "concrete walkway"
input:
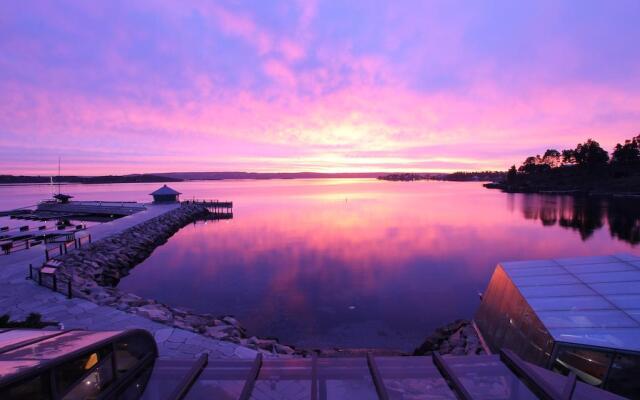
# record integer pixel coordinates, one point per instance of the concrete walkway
(20, 296)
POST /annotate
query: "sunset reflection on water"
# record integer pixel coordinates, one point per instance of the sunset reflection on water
(322, 263)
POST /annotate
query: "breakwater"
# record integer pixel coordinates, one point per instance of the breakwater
(95, 270)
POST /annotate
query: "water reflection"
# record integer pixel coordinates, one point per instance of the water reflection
(341, 262)
(586, 215)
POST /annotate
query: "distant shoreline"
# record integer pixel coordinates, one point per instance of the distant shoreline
(9, 180)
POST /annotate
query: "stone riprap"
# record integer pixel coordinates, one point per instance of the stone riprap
(96, 269)
(457, 338)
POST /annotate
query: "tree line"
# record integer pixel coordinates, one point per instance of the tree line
(587, 157)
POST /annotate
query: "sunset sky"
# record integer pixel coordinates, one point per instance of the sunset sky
(155, 86)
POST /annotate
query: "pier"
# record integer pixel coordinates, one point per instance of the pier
(217, 209)
(20, 296)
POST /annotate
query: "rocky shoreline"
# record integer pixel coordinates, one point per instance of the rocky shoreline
(457, 338)
(96, 269)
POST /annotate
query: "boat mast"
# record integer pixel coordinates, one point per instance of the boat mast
(58, 174)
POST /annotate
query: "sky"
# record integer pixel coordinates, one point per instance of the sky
(115, 87)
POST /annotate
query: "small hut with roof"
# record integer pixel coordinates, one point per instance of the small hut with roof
(166, 195)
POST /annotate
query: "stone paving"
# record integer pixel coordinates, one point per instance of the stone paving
(20, 296)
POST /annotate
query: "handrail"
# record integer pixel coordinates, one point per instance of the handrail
(183, 387)
(447, 372)
(377, 378)
(314, 377)
(251, 378)
(529, 376)
(570, 386)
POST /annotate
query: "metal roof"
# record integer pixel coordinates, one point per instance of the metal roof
(165, 191)
(591, 301)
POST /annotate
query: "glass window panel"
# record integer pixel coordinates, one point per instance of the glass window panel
(94, 383)
(130, 350)
(135, 390)
(623, 376)
(589, 366)
(70, 372)
(413, 378)
(33, 389)
(485, 377)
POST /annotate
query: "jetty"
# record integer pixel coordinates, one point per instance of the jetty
(20, 296)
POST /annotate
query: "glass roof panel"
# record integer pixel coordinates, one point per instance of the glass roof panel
(286, 379)
(586, 319)
(57, 346)
(625, 301)
(12, 367)
(617, 287)
(485, 377)
(615, 338)
(595, 268)
(222, 380)
(627, 257)
(544, 280)
(527, 263)
(556, 290)
(587, 260)
(528, 271)
(345, 378)
(611, 276)
(15, 336)
(569, 303)
(413, 378)
(604, 293)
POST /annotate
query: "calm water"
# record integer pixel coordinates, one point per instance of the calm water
(322, 263)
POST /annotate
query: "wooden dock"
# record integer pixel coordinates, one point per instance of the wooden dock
(217, 209)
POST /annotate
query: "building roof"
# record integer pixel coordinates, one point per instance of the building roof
(477, 377)
(165, 191)
(585, 300)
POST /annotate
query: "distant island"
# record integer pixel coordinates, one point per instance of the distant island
(176, 177)
(586, 169)
(405, 177)
(482, 176)
(135, 178)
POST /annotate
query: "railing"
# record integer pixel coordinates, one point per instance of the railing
(209, 203)
(51, 281)
(63, 248)
(15, 245)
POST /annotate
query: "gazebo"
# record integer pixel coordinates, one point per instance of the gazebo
(165, 195)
